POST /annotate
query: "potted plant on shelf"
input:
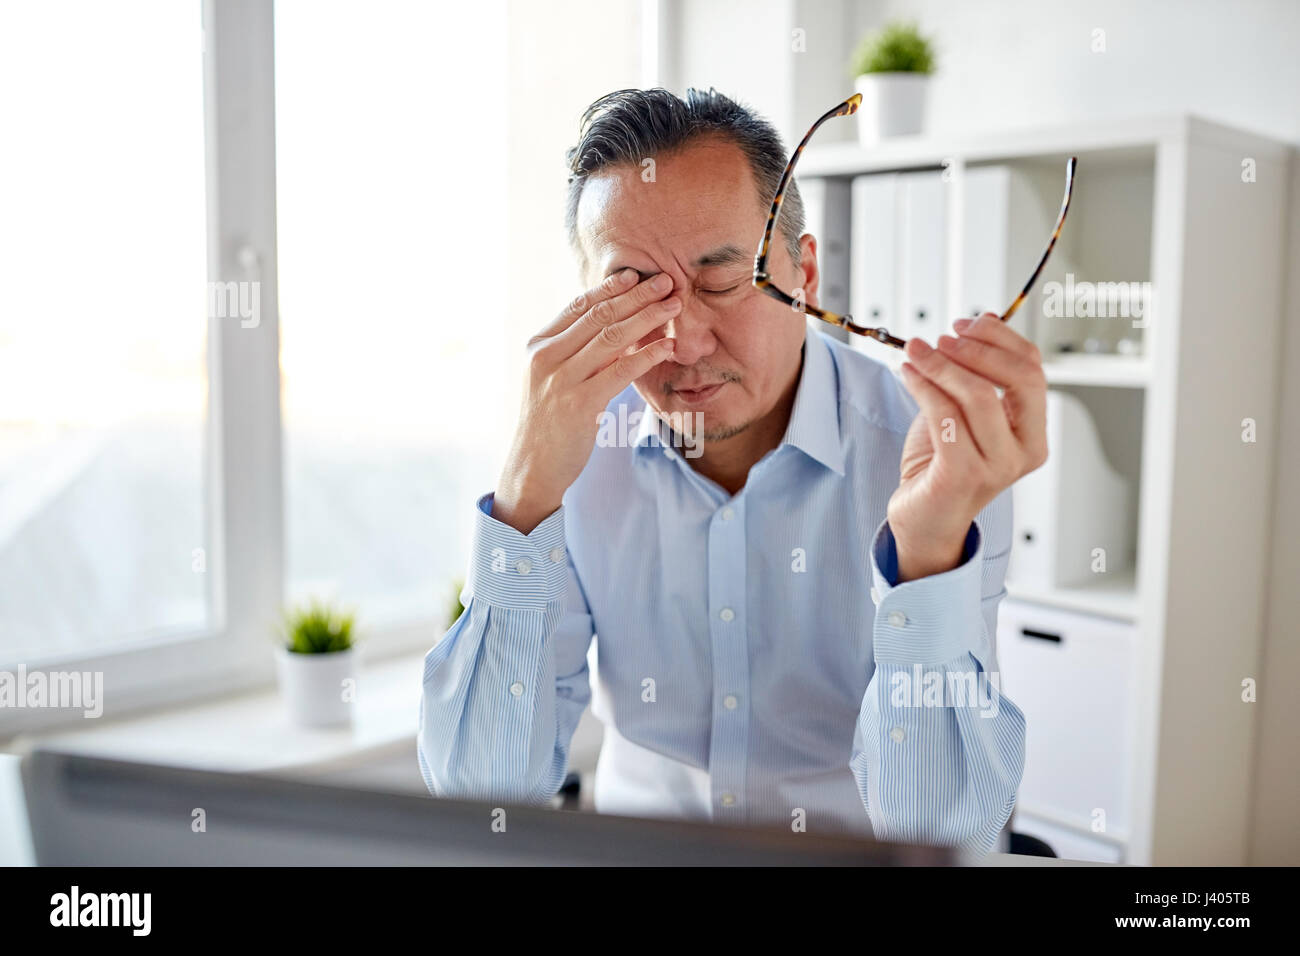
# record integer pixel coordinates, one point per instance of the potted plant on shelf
(892, 67)
(316, 663)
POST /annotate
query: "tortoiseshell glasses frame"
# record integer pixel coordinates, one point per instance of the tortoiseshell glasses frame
(763, 281)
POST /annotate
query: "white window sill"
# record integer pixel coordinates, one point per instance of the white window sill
(251, 732)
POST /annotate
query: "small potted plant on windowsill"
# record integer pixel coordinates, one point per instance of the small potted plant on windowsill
(316, 661)
(454, 607)
(892, 66)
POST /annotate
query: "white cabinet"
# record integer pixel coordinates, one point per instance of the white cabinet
(1068, 843)
(1070, 675)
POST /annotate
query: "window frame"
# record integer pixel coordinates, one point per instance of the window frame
(243, 447)
(243, 471)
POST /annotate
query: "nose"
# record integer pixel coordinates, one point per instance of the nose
(692, 331)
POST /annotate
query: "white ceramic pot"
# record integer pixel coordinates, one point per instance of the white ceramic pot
(313, 686)
(893, 104)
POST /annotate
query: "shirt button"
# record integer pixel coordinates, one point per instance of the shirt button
(727, 614)
(517, 689)
(875, 596)
(897, 618)
(897, 735)
(523, 566)
(728, 514)
(557, 555)
(728, 799)
(729, 702)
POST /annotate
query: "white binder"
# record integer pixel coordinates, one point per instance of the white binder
(1073, 505)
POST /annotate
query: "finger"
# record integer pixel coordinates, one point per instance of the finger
(989, 328)
(609, 287)
(628, 368)
(1000, 365)
(939, 409)
(1025, 385)
(607, 313)
(977, 397)
(610, 341)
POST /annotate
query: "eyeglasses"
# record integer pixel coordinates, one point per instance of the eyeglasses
(763, 281)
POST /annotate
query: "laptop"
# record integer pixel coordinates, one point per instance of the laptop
(86, 810)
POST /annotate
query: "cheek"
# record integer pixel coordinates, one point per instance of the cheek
(740, 339)
(763, 359)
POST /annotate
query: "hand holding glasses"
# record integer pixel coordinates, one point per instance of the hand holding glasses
(763, 281)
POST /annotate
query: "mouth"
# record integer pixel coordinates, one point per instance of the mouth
(697, 396)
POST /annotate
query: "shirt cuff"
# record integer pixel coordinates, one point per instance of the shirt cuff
(931, 619)
(510, 569)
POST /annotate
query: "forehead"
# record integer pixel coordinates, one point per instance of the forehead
(700, 198)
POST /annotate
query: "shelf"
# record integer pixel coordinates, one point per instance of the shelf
(1126, 140)
(1114, 595)
(1110, 370)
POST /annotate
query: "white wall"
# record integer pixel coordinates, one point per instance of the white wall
(1024, 62)
(563, 55)
(1010, 63)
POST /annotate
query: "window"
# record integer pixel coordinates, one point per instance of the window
(102, 327)
(174, 469)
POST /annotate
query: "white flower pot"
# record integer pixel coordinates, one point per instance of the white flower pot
(893, 104)
(313, 686)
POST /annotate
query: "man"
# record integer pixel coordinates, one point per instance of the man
(796, 602)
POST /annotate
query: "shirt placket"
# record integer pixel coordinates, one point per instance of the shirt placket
(729, 737)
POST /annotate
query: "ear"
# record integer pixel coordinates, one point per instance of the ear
(809, 275)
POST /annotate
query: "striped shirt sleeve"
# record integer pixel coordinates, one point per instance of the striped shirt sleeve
(504, 688)
(938, 751)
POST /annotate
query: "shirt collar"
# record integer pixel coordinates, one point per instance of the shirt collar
(814, 426)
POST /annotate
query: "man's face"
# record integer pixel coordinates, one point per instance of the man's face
(700, 221)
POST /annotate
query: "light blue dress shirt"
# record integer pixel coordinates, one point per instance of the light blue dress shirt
(755, 661)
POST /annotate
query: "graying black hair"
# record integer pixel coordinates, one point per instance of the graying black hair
(628, 126)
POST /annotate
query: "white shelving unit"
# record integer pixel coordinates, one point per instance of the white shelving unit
(1138, 675)
(1113, 596)
(1101, 370)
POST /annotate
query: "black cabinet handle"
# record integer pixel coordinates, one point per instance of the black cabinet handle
(1041, 635)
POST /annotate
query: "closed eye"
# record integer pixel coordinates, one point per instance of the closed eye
(722, 291)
